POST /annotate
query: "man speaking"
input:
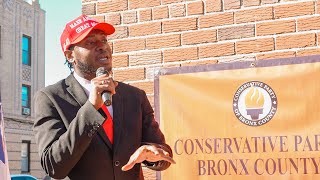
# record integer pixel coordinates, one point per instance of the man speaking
(82, 137)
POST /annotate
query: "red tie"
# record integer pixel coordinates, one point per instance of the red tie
(108, 124)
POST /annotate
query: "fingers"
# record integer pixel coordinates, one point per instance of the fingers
(128, 166)
(133, 159)
(137, 157)
(167, 158)
(153, 149)
(149, 153)
(100, 84)
(104, 83)
(164, 155)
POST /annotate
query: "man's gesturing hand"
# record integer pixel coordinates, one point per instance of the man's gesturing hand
(149, 153)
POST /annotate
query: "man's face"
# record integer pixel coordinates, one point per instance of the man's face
(91, 53)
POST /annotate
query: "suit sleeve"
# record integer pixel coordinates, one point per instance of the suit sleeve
(152, 134)
(61, 147)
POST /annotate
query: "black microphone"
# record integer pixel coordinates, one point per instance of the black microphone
(106, 96)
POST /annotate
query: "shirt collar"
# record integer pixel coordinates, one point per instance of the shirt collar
(86, 84)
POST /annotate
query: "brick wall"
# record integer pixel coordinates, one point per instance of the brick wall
(172, 33)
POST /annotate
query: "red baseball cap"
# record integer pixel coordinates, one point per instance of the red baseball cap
(77, 29)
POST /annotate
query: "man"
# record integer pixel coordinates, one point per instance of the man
(77, 135)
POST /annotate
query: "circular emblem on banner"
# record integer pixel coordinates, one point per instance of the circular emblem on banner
(255, 103)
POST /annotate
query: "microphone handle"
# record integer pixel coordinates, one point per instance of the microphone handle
(106, 97)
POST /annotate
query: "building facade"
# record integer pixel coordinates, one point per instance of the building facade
(22, 58)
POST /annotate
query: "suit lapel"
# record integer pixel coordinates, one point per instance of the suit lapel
(117, 103)
(104, 137)
(75, 89)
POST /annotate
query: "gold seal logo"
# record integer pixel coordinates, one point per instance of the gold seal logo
(255, 103)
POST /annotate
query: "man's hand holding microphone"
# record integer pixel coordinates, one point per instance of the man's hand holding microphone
(103, 88)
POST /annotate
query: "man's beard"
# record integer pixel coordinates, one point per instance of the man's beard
(85, 68)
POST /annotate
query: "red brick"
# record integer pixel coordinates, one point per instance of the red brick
(120, 60)
(196, 63)
(216, 20)
(213, 5)
(160, 12)
(310, 23)
(199, 37)
(177, 10)
(231, 4)
(180, 54)
(236, 32)
(293, 10)
(89, 9)
(112, 6)
(113, 18)
(215, 50)
(276, 27)
(145, 29)
(145, 15)
(126, 45)
(99, 18)
(130, 74)
(134, 4)
(121, 32)
(195, 8)
(275, 55)
(171, 1)
(251, 15)
(296, 41)
(248, 3)
(148, 86)
(237, 58)
(163, 41)
(177, 25)
(144, 58)
(256, 45)
(318, 6)
(269, 1)
(170, 65)
(308, 52)
(129, 17)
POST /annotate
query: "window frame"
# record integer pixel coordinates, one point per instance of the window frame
(28, 94)
(28, 142)
(29, 49)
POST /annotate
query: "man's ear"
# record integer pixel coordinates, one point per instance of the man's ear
(68, 55)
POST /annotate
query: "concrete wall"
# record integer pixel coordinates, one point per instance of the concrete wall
(20, 18)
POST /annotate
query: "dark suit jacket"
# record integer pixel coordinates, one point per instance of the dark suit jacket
(71, 140)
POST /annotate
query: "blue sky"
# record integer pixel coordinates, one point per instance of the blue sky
(58, 13)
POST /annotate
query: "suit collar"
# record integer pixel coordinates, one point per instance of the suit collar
(75, 89)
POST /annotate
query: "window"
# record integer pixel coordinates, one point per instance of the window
(25, 95)
(26, 50)
(25, 156)
(25, 99)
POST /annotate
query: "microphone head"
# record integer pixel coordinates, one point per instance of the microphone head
(101, 71)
